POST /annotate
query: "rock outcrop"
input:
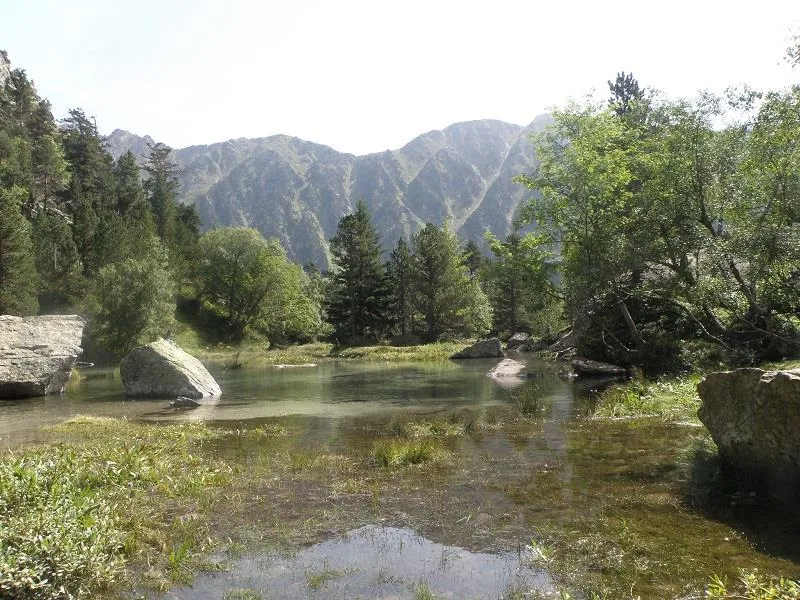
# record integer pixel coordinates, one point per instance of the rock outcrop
(518, 340)
(37, 354)
(163, 369)
(508, 368)
(754, 418)
(584, 367)
(490, 348)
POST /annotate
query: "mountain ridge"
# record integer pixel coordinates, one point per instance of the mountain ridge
(297, 190)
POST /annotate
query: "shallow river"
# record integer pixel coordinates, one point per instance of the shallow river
(641, 500)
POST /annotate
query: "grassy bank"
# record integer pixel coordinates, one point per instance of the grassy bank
(254, 353)
(669, 399)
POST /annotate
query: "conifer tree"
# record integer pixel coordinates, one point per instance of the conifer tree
(448, 300)
(357, 305)
(17, 270)
(399, 272)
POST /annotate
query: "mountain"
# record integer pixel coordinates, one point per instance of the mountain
(297, 191)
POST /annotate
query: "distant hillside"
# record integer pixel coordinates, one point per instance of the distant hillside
(297, 191)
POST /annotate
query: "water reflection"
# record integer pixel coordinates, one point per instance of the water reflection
(374, 562)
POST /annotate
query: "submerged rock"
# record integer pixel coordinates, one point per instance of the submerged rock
(183, 402)
(162, 368)
(37, 353)
(490, 348)
(584, 367)
(754, 418)
(508, 368)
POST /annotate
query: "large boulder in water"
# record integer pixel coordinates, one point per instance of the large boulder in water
(37, 353)
(163, 369)
(754, 418)
(490, 348)
(509, 367)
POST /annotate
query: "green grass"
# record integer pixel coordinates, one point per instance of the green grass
(424, 352)
(74, 514)
(673, 399)
(317, 580)
(397, 452)
(752, 585)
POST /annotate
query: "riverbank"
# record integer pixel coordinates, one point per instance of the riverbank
(252, 353)
(129, 506)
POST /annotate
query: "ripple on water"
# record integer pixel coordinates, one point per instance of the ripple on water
(374, 562)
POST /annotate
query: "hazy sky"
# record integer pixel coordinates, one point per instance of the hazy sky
(363, 76)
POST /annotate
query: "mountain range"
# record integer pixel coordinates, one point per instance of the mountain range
(296, 191)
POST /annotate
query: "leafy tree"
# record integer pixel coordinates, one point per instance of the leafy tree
(357, 306)
(251, 285)
(399, 274)
(133, 302)
(17, 270)
(448, 300)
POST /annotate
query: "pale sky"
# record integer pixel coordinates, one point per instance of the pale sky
(363, 76)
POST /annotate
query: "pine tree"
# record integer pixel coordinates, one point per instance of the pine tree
(449, 301)
(399, 272)
(357, 305)
(57, 261)
(161, 189)
(17, 270)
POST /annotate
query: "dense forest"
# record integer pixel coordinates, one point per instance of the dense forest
(667, 232)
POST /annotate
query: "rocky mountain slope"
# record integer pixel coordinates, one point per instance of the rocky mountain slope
(297, 191)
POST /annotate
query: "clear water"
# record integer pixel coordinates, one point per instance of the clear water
(330, 390)
(374, 562)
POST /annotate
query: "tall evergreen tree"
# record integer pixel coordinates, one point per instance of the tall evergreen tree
(161, 189)
(17, 269)
(448, 300)
(357, 305)
(61, 281)
(400, 272)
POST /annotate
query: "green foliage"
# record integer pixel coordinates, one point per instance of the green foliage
(73, 514)
(519, 282)
(251, 285)
(358, 298)
(449, 301)
(17, 269)
(399, 276)
(653, 205)
(61, 279)
(668, 399)
(752, 585)
(403, 452)
(133, 302)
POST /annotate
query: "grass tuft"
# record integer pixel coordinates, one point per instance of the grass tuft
(398, 452)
